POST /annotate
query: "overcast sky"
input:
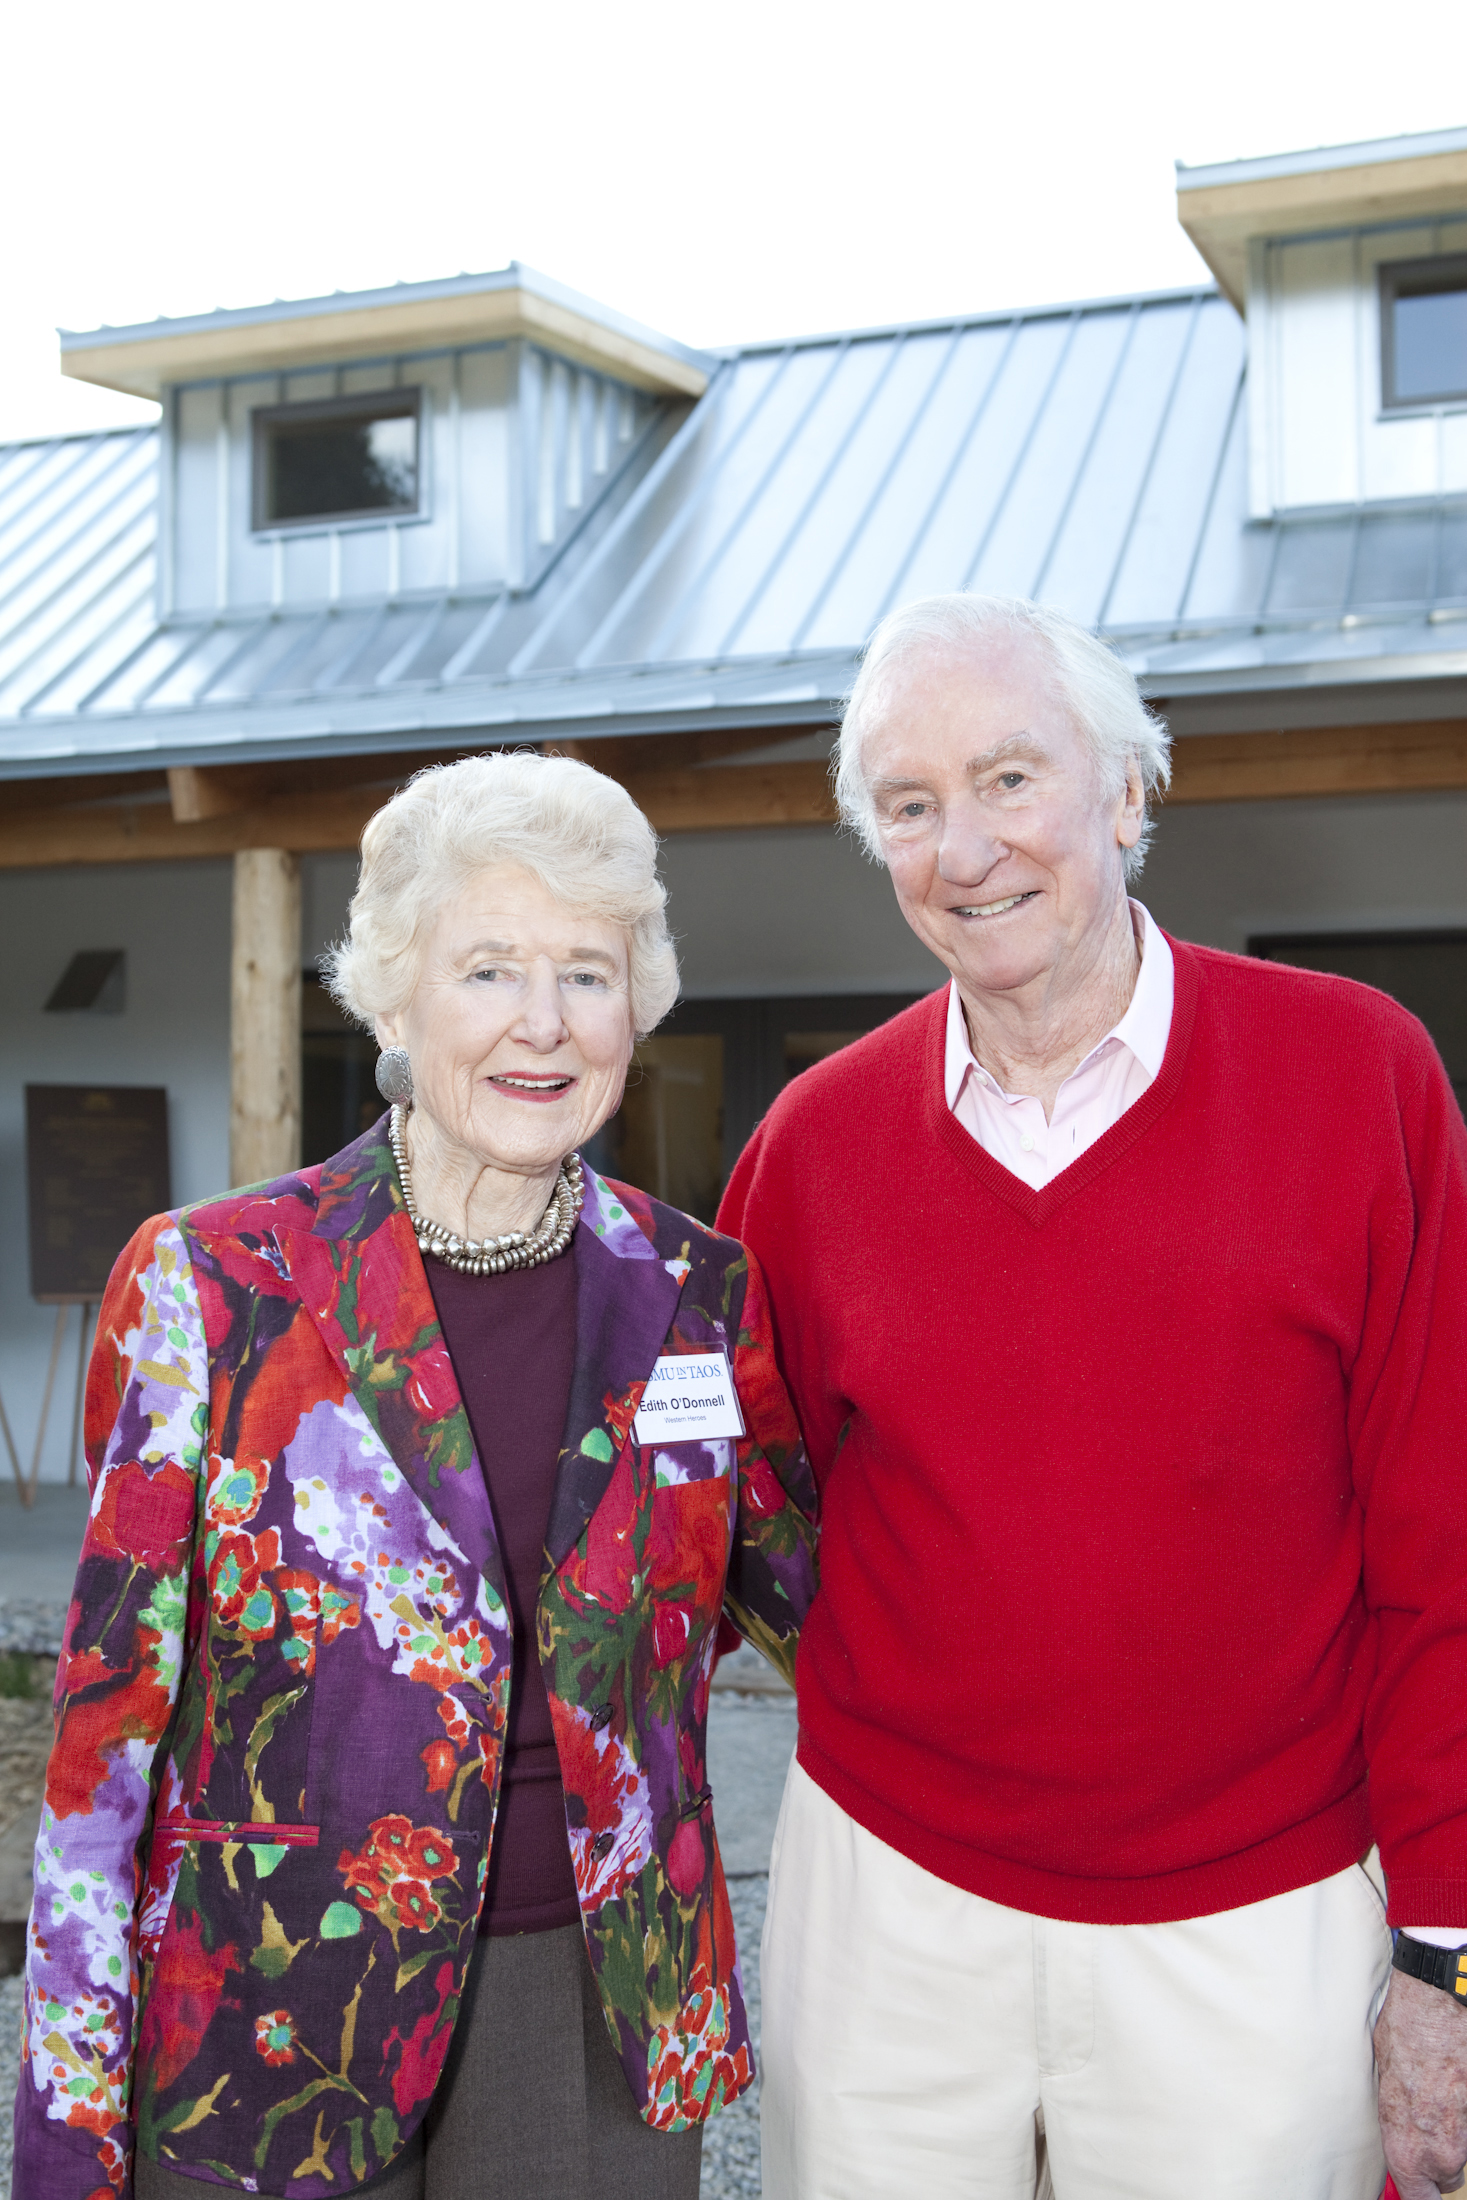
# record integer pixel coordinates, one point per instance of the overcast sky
(756, 169)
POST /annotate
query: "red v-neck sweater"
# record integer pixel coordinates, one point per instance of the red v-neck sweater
(1144, 1518)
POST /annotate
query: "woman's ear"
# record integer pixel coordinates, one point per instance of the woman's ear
(384, 1031)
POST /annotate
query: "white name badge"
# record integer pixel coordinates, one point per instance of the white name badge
(688, 1396)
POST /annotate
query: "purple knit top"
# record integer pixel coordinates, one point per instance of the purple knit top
(512, 1340)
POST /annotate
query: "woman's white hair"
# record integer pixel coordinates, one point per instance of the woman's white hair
(1090, 679)
(576, 831)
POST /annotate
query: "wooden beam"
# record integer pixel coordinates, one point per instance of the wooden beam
(621, 755)
(1316, 760)
(265, 1016)
(322, 804)
(74, 792)
(742, 796)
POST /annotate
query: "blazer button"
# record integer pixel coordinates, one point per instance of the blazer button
(602, 1844)
(600, 1717)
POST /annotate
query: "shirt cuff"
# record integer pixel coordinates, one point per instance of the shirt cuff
(1437, 1936)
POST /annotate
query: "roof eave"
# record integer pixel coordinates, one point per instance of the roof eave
(1399, 179)
(146, 359)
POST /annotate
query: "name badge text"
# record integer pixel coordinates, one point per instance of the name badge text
(688, 1396)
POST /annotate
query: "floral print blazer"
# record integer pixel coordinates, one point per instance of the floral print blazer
(270, 1803)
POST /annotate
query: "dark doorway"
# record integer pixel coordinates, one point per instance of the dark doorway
(1425, 971)
(700, 1084)
(339, 1098)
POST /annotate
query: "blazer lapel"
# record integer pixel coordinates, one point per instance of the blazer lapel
(361, 1280)
(626, 1302)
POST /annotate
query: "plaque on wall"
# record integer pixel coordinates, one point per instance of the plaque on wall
(96, 1167)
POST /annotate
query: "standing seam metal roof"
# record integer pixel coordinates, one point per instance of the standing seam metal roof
(1093, 455)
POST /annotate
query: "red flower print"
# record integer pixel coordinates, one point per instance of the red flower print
(610, 1559)
(672, 1628)
(607, 1806)
(440, 1760)
(422, 2053)
(188, 1980)
(761, 1488)
(337, 1611)
(275, 2037)
(240, 1594)
(451, 1712)
(432, 1386)
(301, 1595)
(235, 1490)
(687, 1858)
(621, 1412)
(144, 1514)
(390, 1875)
(689, 2069)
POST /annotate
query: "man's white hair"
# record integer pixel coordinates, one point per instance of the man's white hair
(1089, 678)
(576, 831)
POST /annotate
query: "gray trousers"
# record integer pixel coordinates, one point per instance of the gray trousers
(532, 2104)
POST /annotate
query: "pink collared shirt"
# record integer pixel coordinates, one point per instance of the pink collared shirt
(1097, 1092)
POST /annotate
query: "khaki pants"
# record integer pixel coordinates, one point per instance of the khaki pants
(919, 2041)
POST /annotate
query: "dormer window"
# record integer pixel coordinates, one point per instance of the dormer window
(1423, 331)
(342, 459)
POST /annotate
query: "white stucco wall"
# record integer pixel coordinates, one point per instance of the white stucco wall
(173, 922)
(794, 911)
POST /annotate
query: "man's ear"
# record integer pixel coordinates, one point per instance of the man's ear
(1131, 816)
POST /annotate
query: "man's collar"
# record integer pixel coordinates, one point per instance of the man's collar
(1145, 1027)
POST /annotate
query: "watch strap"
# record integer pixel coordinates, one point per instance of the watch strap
(1443, 1967)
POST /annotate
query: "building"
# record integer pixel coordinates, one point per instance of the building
(374, 530)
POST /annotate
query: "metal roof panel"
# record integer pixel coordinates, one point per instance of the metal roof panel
(1096, 455)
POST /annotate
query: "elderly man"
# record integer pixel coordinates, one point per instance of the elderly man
(1121, 1289)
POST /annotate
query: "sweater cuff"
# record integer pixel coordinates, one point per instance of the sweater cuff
(1418, 1902)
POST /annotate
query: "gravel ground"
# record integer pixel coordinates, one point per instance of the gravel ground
(28, 1625)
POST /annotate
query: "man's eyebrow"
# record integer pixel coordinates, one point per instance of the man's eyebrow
(1015, 744)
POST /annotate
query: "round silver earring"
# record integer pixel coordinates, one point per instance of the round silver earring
(395, 1076)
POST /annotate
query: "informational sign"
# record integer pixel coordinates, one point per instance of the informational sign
(688, 1396)
(96, 1167)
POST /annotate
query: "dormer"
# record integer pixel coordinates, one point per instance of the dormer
(383, 444)
(1350, 266)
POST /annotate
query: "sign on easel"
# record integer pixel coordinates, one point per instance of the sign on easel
(96, 1167)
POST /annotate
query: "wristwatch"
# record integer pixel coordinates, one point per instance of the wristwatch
(1443, 1967)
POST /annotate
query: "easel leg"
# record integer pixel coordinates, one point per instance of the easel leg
(79, 1394)
(14, 1454)
(28, 1493)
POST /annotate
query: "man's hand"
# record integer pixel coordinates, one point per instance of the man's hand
(1421, 2053)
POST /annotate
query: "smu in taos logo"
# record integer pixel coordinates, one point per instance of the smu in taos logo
(688, 1396)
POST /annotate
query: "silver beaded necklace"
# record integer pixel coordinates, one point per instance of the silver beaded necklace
(494, 1256)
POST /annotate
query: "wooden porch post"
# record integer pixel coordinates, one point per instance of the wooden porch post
(265, 1016)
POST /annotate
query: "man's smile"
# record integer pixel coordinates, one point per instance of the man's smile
(995, 908)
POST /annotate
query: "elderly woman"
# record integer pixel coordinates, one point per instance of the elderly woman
(378, 1845)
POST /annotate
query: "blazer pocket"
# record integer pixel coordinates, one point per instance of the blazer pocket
(180, 1828)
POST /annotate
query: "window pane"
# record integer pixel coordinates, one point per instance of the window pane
(319, 469)
(1430, 336)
